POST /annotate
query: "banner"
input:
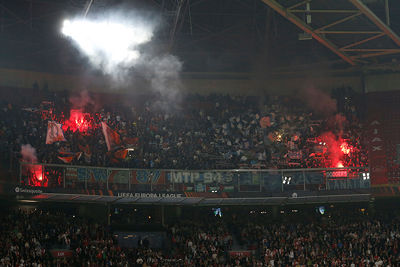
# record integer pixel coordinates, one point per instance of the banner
(61, 253)
(298, 178)
(92, 175)
(239, 254)
(377, 153)
(149, 195)
(112, 137)
(200, 177)
(71, 174)
(272, 181)
(337, 174)
(54, 133)
(148, 177)
(336, 184)
(118, 177)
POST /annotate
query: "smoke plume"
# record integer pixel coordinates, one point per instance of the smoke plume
(28, 154)
(319, 101)
(333, 143)
(163, 74)
(338, 123)
(81, 100)
(118, 44)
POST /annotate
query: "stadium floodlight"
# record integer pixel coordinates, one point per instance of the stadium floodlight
(108, 42)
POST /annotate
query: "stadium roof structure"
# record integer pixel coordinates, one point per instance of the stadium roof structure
(199, 201)
(218, 36)
(346, 27)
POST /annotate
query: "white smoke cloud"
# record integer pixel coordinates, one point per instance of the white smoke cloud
(109, 42)
(28, 154)
(163, 74)
(118, 44)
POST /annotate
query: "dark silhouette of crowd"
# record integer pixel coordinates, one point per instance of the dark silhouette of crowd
(341, 239)
(199, 132)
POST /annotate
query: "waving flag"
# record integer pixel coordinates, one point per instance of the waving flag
(112, 137)
(131, 141)
(121, 154)
(265, 122)
(54, 133)
(68, 157)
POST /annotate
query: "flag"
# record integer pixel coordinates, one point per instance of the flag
(112, 137)
(265, 122)
(84, 148)
(68, 157)
(54, 133)
(121, 154)
(134, 141)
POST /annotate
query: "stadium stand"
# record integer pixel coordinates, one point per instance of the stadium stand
(34, 237)
(213, 132)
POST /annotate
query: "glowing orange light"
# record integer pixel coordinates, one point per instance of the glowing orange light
(79, 121)
(37, 177)
(345, 148)
(339, 165)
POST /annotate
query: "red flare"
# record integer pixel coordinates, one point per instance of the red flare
(79, 121)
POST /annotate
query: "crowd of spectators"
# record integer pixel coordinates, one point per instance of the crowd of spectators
(201, 244)
(333, 243)
(201, 132)
(27, 238)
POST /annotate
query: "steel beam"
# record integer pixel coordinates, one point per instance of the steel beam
(349, 32)
(338, 21)
(371, 50)
(299, 4)
(302, 25)
(382, 26)
(323, 10)
(363, 41)
(383, 53)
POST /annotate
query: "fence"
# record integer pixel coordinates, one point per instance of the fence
(149, 180)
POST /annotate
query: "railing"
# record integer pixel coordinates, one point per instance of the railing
(154, 180)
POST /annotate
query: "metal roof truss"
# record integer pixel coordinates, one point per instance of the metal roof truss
(351, 30)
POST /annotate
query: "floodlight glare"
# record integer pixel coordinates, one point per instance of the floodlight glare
(108, 42)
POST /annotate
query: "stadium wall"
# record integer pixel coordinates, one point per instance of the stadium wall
(382, 83)
(202, 83)
(206, 83)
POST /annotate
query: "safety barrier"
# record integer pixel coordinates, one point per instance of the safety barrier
(157, 180)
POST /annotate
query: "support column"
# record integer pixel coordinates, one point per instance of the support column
(162, 215)
(387, 12)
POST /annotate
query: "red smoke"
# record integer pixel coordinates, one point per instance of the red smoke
(36, 176)
(79, 121)
(337, 150)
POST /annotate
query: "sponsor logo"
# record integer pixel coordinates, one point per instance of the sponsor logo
(27, 191)
(150, 195)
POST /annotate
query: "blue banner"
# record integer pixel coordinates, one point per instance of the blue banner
(92, 174)
(190, 177)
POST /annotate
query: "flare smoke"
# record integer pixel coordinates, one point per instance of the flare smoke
(28, 154)
(118, 44)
